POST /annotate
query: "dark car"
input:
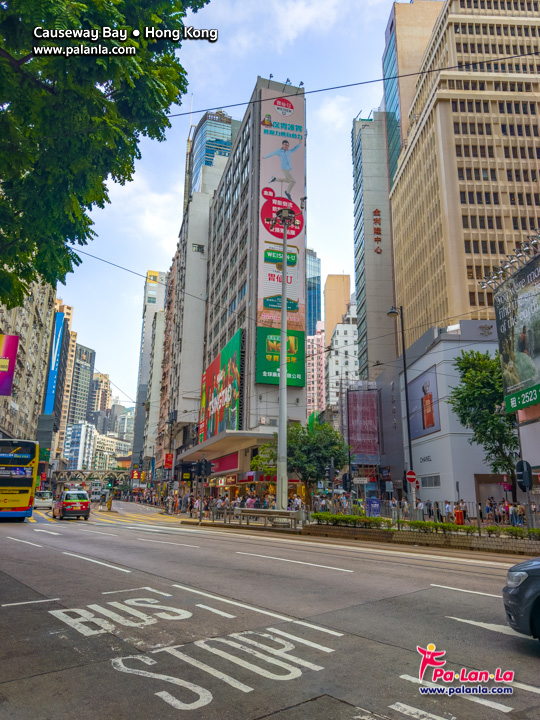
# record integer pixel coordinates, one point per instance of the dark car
(521, 597)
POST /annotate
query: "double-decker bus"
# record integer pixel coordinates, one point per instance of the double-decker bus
(18, 478)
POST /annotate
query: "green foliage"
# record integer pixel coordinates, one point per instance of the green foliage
(515, 532)
(360, 521)
(476, 402)
(534, 534)
(493, 530)
(70, 123)
(308, 452)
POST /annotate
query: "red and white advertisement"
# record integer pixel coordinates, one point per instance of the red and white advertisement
(363, 421)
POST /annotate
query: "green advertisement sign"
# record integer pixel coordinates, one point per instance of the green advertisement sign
(268, 349)
(523, 399)
(276, 257)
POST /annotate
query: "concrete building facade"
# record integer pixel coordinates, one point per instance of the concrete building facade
(342, 357)
(315, 371)
(83, 372)
(79, 445)
(373, 255)
(100, 393)
(313, 291)
(465, 193)
(154, 388)
(33, 324)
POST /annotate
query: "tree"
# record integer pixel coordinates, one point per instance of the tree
(477, 401)
(308, 453)
(67, 124)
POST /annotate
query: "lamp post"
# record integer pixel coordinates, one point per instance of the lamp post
(393, 313)
(287, 217)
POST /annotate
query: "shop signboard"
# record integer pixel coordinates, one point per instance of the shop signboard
(9, 345)
(282, 184)
(220, 391)
(517, 311)
(268, 350)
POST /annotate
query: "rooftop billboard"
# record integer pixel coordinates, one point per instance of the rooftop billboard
(517, 309)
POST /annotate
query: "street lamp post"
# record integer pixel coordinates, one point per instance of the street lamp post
(393, 313)
(287, 217)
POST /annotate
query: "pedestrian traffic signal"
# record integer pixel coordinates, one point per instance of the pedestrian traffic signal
(196, 468)
(346, 481)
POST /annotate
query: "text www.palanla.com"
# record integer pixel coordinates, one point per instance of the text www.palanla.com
(466, 690)
(74, 50)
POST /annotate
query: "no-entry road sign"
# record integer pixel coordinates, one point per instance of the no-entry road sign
(411, 476)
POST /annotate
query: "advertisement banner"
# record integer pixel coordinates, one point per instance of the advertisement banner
(169, 460)
(220, 391)
(424, 404)
(9, 345)
(54, 363)
(282, 185)
(363, 419)
(517, 311)
(268, 349)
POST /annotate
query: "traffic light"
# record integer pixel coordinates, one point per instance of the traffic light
(197, 468)
(346, 481)
(109, 483)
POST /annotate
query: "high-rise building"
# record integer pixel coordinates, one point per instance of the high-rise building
(342, 356)
(79, 445)
(83, 372)
(154, 386)
(408, 32)
(465, 194)
(66, 395)
(27, 361)
(313, 291)
(213, 136)
(373, 257)
(154, 299)
(125, 426)
(337, 296)
(264, 173)
(186, 312)
(105, 450)
(315, 371)
(100, 393)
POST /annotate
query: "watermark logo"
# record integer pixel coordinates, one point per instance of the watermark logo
(430, 657)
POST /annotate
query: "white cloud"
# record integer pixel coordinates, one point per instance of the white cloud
(335, 111)
(293, 18)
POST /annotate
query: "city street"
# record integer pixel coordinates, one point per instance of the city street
(133, 615)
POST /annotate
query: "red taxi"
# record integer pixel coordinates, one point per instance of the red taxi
(72, 502)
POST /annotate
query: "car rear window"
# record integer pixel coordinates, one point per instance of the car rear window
(44, 495)
(76, 496)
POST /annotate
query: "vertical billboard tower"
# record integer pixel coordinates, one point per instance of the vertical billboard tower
(282, 183)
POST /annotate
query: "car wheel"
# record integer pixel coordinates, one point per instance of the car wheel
(86, 517)
(535, 620)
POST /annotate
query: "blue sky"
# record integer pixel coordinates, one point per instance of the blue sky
(323, 43)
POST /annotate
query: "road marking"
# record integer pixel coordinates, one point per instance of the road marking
(45, 517)
(164, 542)
(472, 698)
(257, 610)
(49, 532)
(503, 629)
(416, 713)
(31, 519)
(207, 668)
(98, 562)
(297, 562)
(218, 612)
(158, 592)
(23, 541)
(97, 532)
(522, 686)
(301, 640)
(30, 602)
(472, 592)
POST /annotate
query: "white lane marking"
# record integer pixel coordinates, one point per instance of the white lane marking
(158, 592)
(258, 610)
(297, 562)
(472, 592)
(416, 713)
(30, 602)
(522, 686)
(26, 542)
(98, 562)
(365, 550)
(322, 648)
(203, 666)
(165, 542)
(97, 532)
(214, 610)
(49, 532)
(472, 698)
(503, 629)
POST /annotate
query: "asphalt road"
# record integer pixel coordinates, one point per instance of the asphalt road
(133, 615)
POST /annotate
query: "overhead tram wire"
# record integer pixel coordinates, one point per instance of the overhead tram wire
(465, 67)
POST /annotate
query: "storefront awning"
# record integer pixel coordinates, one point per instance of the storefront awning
(226, 442)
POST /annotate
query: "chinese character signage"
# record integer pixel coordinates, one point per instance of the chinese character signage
(517, 311)
(282, 185)
(9, 345)
(220, 391)
(268, 349)
(377, 231)
(169, 460)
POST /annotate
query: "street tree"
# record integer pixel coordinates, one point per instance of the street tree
(309, 451)
(478, 402)
(70, 123)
